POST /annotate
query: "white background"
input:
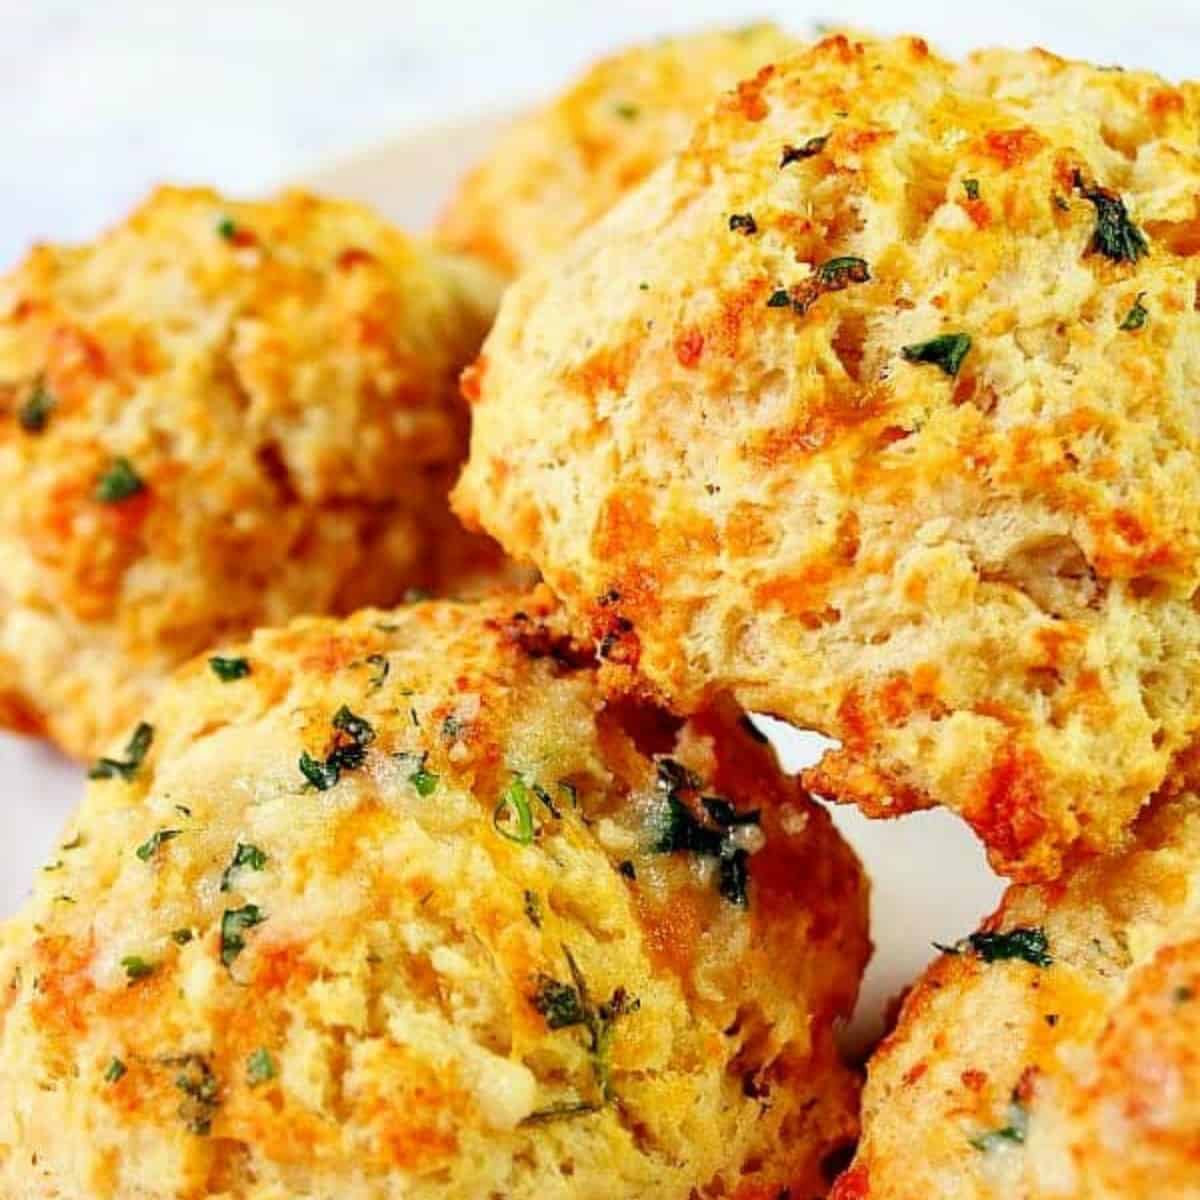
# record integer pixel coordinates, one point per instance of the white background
(100, 102)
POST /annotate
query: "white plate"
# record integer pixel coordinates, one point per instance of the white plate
(931, 882)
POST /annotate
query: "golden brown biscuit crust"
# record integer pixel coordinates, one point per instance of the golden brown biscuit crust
(217, 415)
(1071, 1069)
(873, 407)
(383, 908)
(562, 166)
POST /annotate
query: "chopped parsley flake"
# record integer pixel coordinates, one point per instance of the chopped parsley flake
(971, 187)
(352, 735)
(839, 273)
(151, 846)
(533, 909)
(743, 223)
(834, 275)
(34, 414)
(260, 1067)
(513, 816)
(116, 1071)
(119, 482)
(200, 1090)
(626, 111)
(227, 228)
(1136, 317)
(229, 669)
(560, 1112)
(181, 937)
(423, 781)
(136, 968)
(808, 149)
(1115, 235)
(245, 855)
(1012, 1134)
(234, 923)
(135, 754)
(382, 667)
(565, 1005)
(681, 830)
(945, 352)
(1028, 943)
(1183, 994)
(558, 1002)
(627, 869)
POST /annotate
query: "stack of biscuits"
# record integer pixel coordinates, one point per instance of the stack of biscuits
(410, 598)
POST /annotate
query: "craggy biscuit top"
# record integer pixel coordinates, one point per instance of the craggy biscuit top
(1054, 1055)
(214, 416)
(398, 907)
(875, 407)
(563, 165)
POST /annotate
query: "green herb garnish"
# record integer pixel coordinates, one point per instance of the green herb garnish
(116, 1071)
(839, 273)
(136, 968)
(227, 228)
(150, 847)
(743, 223)
(565, 1005)
(119, 482)
(319, 773)
(945, 352)
(808, 149)
(260, 1067)
(244, 855)
(626, 111)
(200, 1090)
(834, 275)
(513, 816)
(971, 187)
(560, 1112)
(558, 1002)
(1115, 235)
(234, 923)
(424, 782)
(34, 414)
(1028, 943)
(1136, 317)
(229, 669)
(713, 836)
(135, 754)
(1012, 1134)
(352, 735)
(382, 667)
(181, 937)
(533, 909)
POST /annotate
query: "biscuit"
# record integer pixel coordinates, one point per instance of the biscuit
(398, 906)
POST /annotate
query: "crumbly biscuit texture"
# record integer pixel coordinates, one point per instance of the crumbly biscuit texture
(1056, 1055)
(219, 415)
(399, 907)
(562, 166)
(874, 407)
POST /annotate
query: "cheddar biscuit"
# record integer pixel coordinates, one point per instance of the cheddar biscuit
(215, 416)
(561, 166)
(1056, 1053)
(873, 407)
(398, 906)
